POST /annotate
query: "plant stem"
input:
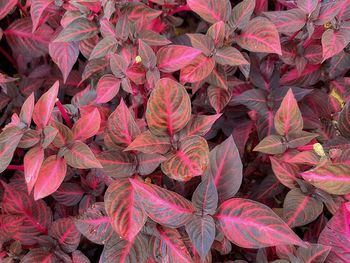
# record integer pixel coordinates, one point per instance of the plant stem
(64, 113)
(15, 167)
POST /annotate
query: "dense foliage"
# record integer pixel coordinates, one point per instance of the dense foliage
(174, 131)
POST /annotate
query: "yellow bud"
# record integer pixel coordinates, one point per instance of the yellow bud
(334, 93)
(328, 25)
(148, 180)
(138, 59)
(318, 148)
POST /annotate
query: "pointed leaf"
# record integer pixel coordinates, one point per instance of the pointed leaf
(27, 110)
(241, 14)
(79, 155)
(226, 168)
(87, 126)
(32, 162)
(332, 178)
(250, 224)
(6, 7)
(230, 56)
(286, 173)
(287, 21)
(79, 29)
(199, 125)
(117, 163)
(37, 9)
(344, 120)
(210, 10)
(316, 253)
(105, 46)
(121, 125)
(198, 69)
(202, 42)
(218, 97)
(308, 6)
(189, 160)
(335, 41)
(260, 35)
(168, 108)
(9, 140)
(65, 232)
(271, 145)
(146, 142)
(127, 216)
(44, 106)
(107, 88)
(205, 197)
(163, 206)
(68, 194)
(148, 163)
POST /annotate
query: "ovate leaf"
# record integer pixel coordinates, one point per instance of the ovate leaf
(117, 163)
(344, 121)
(287, 21)
(199, 125)
(6, 7)
(271, 145)
(198, 69)
(230, 56)
(218, 97)
(163, 206)
(146, 142)
(79, 155)
(32, 162)
(87, 126)
(210, 10)
(241, 14)
(316, 253)
(79, 29)
(205, 197)
(250, 224)
(65, 232)
(107, 88)
(286, 173)
(37, 8)
(334, 41)
(168, 108)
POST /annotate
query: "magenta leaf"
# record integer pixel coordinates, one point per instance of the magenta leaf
(287, 21)
(126, 214)
(198, 69)
(335, 41)
(79, 29)
(163, 206)
(250, 224)
(68, 194)
(211, 11)
(225, 167)
(336, 235)
(117, 163)
(6, 7)
(241, 14)
(218, 97)
(37, 9)
(205, 197)
(65, 232)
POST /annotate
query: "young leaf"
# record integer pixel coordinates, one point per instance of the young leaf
(217, 33)
(65, 232)
(27, 110)
(336, 235)
(286, 173)
(288, 119)
(308, 6)
(87, 126)
(51, 175)
(260, 35)
(79, 29)
(168, 108)
(127, 216)
(334, 41)
(210, 10)
(107, 88)
(202, 42)
(218, 97)
(205, 197)
(226, 168)
(314, 253)
(300, 209)
(230, 56)
(287, 21)
(79, 155)
(94, 224)
(199, 125)
(121, 125)
(32, 162)
(332, 178)
(250, 224)
(37, 8)
(163, 206)
(189, 160)
(241, 14)
(117, 163)
(146, 142)
(198, 69)
(271, 145)
(44, 106)
(175, 57)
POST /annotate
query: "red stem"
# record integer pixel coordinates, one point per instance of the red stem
(305, 148)
(180, 9)
(15, 167)
(64, 113)
(8, 57)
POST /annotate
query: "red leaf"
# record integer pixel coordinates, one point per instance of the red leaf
(118, 164)
(6, 7)
(300, 209)
(313, 254)
(121, 125)
(27, 110)
(250, 224)
(146, 142)
(210, 10)
(40, 255)
(51, 175)
(79, 155)
(175, 57)
(288, 119)
(201, 231)
(44, 106)
(105, 46)
(199, 125)
(336, 235)
(202, 42)
(168, 108)
(205, 197)
(230, 56)
(9, 140)
(163, 206)
(286, 173)
(64, 54)
(32, 162)
(149, 59)
(260, 35)
(308, 6)
(335, 41)
(107, 88)
(94, 224)
(37, 9)
(241, 14)
(189, 160)
(87, 126)
(177, 251)
(225, 167)
(127, 216)
(218, 97)
(332, 178)
(9, 226)
(65, 232)
(287, 21)
(217, 33)
(64, 134)
(68, 194)
(198, 69)
(147, 163)
(79, 29)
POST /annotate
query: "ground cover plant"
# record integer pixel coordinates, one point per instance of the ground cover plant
(174, 131)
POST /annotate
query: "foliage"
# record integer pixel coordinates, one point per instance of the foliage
(198, 131)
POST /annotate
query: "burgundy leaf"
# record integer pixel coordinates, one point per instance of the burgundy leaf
(202, 42)
(163, 206)
(65, 232)
(40, 255)
(32, 162)
(168, 108)
(241, 14)
(199, 125)
(260, 35)
(94, 224)
(344, 120)
(51, 175)
(37, 9)
(201, 231)
(230, 56)
(68, 194)
(205, 197)
(287, 21)
(225, 167)
(105, 46)
(9, 225)
(286, 173)
(250, 224)
(335, 41)
(152, 38)
(271, 145)
(87, 126)
(107, 88)
(146, 142)
(117, 163)
(174, 57)
(44, 106)
(79, 155)
(211, 11)
(126, 214)
(336, 235)
(218, 97)
(121, 126)
(79, 29)
(147, 163)
(198, 69)
(6, 7)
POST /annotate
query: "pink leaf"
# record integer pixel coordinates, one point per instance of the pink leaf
(37, 9)
(87, 126)
(6, 7)
(79, 29)
(335, 41)
(107, 88)
(117, 163)
(79, 155)
(210, 10)
(32, 162)
(65, 232)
